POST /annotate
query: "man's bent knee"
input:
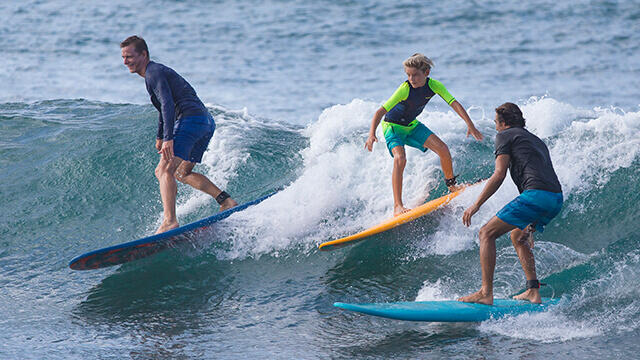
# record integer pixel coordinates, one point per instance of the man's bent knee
(484, 233)
(162, 170)
(165, 169)
(181, 175)
(488, 232)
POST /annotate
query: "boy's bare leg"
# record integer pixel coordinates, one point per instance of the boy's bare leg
(399, 163)
(441, 149)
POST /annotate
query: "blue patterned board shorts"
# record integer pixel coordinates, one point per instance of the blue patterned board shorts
(191, 137)
(535, 207)
(413, 135)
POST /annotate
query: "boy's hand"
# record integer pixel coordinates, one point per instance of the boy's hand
(369, 144)
(475, 133)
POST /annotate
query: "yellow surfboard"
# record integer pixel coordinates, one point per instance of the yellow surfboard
(393, 222)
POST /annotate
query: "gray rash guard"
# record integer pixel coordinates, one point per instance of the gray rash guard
(172, 95)
(530, 164)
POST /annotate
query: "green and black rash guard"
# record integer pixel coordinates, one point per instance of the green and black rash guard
(407, 102)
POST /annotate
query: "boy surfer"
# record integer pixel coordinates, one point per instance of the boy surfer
(400, 126)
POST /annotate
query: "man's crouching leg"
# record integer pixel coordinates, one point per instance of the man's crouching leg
(522, 241)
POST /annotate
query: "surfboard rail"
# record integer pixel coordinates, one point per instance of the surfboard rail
(449, 310)
(150, 245)
(395, 221)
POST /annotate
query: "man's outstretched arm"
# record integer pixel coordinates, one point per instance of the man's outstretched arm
(493, 184)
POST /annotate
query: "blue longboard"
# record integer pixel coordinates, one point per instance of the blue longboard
(448, 310)
(138, 249)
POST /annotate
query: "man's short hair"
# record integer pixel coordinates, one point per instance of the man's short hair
(510, 115)
(419, 61)
(138, 43)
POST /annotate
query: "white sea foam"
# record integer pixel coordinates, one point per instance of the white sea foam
(592, 147)
(227, 151)
(546, 327)
(610, 303)
(433, 292)
(342, 188)
(550, 258)
(586, 146)
(335, 178)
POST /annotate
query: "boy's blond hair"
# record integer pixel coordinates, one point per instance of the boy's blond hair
(419, 61)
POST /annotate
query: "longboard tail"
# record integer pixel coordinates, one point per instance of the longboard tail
(138, 249)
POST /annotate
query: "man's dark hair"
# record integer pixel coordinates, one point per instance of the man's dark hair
(138, 43)
(510, 115)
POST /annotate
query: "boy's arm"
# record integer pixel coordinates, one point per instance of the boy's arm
(471, 128)
(401, 93)
(439, 89)
(377, 117)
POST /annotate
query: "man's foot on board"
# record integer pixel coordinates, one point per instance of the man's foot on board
(399, 209)
(454, 188)
(478, 297)
(531, 295)
(228, 203)
(166, 226)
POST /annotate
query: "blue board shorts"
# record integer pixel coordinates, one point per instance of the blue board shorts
(191, 137)
(535, 207)
(414, 135)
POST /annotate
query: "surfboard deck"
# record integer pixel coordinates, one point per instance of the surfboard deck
(138, 249)
(410, 215)
(449, 310)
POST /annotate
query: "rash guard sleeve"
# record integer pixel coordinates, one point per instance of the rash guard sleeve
(402, 93)
(439, 89)
(158, 85)
(160, 133)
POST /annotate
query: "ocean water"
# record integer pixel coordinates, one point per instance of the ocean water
(293, 86)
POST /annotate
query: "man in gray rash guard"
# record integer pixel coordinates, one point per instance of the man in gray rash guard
(184, 129)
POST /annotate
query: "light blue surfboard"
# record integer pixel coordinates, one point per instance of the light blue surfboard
(448, 310)
(138, 249)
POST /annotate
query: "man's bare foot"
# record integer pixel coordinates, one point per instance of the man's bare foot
(532, 295)
(166, 226)
(454, 188)
(399, 209)
(228, 203)
(478, 297)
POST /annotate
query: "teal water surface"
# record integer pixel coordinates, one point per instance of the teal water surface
(292, 87)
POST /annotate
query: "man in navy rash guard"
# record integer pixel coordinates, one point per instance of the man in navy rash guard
(184, 129)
